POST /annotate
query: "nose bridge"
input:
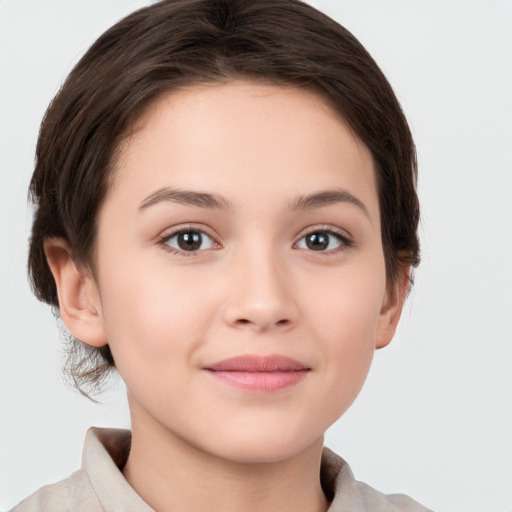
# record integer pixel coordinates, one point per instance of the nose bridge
(260, 291)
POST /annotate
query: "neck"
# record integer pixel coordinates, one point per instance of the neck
(171, 474)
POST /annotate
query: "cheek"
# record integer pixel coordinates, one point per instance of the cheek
(346, 305)
(152, 315)
(345, 318)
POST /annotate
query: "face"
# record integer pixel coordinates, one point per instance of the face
(240, 272)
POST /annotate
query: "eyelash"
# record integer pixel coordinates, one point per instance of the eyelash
(164, 241)
(344, 241)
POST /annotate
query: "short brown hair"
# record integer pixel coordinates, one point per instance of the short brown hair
(176, 43)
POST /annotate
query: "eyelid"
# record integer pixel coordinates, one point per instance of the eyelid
(169, 233)
(345, 238)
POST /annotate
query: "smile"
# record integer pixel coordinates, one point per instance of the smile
(259, 373)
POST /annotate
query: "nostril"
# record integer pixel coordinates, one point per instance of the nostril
(280, 323)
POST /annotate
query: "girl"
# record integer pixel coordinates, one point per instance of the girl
(226, 214)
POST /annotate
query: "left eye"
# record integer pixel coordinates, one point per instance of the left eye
(190, 241)
(320, 241)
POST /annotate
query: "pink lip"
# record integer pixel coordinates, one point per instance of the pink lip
(259, 373)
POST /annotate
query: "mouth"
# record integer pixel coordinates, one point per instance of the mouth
(259, 373)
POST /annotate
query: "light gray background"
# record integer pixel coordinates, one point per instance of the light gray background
(435, 418)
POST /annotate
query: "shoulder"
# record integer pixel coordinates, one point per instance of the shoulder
(374, 499)
(348, 494)
(99, 485)
(72, 494)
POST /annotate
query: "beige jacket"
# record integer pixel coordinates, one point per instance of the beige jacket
(99, 486)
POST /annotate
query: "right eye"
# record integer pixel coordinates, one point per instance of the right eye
(189, 241)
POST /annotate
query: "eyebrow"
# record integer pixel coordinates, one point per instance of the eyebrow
(213, 201)
(327, 198)
(185, 197)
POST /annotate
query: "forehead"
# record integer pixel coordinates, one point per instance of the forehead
(242, 134)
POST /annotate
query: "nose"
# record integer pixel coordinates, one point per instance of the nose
(260, 293)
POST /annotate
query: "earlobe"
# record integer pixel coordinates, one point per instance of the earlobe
(77, 293)
(392, 309)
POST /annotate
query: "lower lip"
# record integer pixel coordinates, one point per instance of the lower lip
(260, 381)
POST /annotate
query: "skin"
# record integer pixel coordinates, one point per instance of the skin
(254, 287)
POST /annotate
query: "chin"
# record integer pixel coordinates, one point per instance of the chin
(265, 447)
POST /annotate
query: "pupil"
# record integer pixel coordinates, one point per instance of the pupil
(189, 241)
(317, 241)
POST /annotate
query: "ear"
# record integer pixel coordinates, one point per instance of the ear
(392, 308)
(77, 292)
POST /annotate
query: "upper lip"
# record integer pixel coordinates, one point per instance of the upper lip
(257, 364)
